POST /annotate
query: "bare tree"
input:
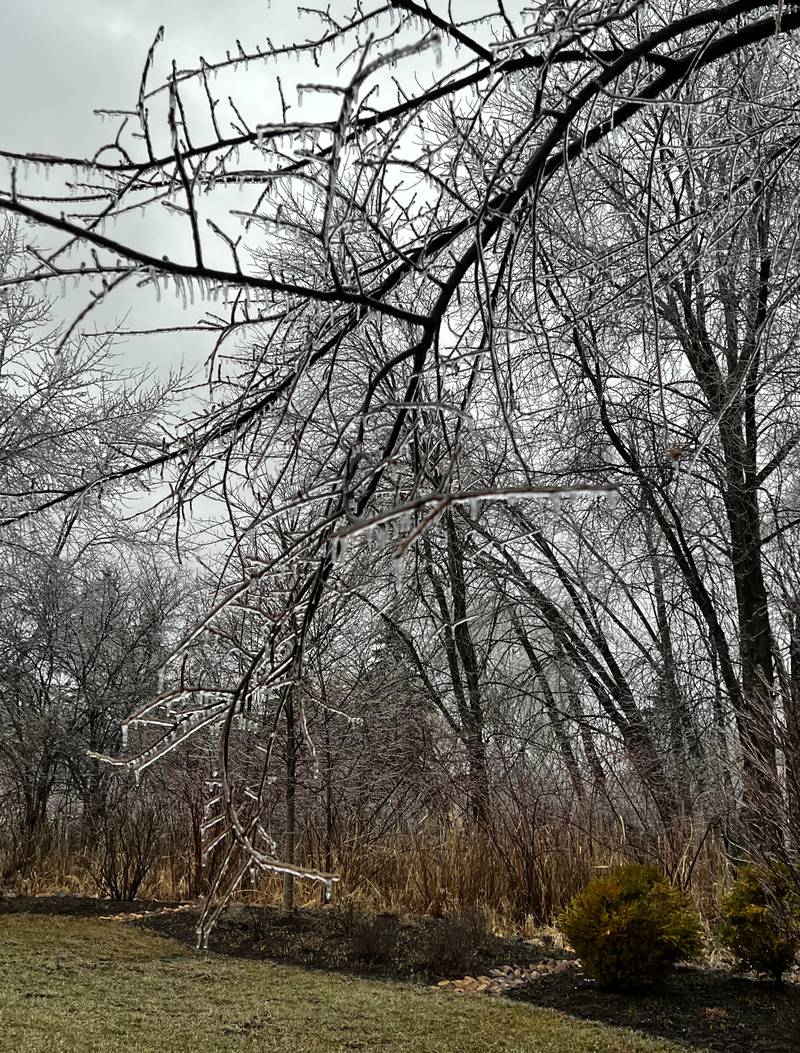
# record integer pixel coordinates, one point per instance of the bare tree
(376, 248)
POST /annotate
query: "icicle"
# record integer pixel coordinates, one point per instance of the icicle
(179, 289)
(328, 890)
(612, 500)
(437, 50)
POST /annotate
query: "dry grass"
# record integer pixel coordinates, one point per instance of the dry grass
(522, 878)
(90, 986)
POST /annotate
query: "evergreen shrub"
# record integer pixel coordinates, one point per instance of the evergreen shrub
(761, 919)
(630, 926)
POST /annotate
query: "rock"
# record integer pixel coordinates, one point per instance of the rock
(504, 978)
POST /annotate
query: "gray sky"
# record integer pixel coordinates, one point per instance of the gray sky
(61, 60)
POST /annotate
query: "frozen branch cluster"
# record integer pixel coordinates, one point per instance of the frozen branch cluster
(391, 303)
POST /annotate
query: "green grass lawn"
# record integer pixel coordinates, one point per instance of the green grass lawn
(87, 985)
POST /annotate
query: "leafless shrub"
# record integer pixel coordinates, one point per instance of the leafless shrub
(453, 944)
(372, 938)
(127, 846)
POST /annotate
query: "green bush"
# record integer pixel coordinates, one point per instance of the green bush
(761, 919)
(630, 926)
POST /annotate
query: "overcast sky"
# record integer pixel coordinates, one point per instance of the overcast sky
(61, 60)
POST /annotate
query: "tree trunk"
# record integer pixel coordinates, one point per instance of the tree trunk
(792, 744)
(556, 718)
(674, 710)
(287, 901)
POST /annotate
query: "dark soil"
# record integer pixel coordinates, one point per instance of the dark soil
(702, 1008)
(374, 946)
(74, 906)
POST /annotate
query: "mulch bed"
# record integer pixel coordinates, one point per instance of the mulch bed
(316, 938)
(73, 906)
(699, 1007)
(702, 1008)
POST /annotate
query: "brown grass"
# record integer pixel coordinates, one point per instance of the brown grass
(522, 879)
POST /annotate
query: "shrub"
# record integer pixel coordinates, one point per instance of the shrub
(375, 938)
(372, 937)
(761, 919)
(453, 944)
(126, 847)
(630, 926)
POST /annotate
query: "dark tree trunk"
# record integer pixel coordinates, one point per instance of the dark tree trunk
(557, 719)
(792, 716)
(287, 900)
